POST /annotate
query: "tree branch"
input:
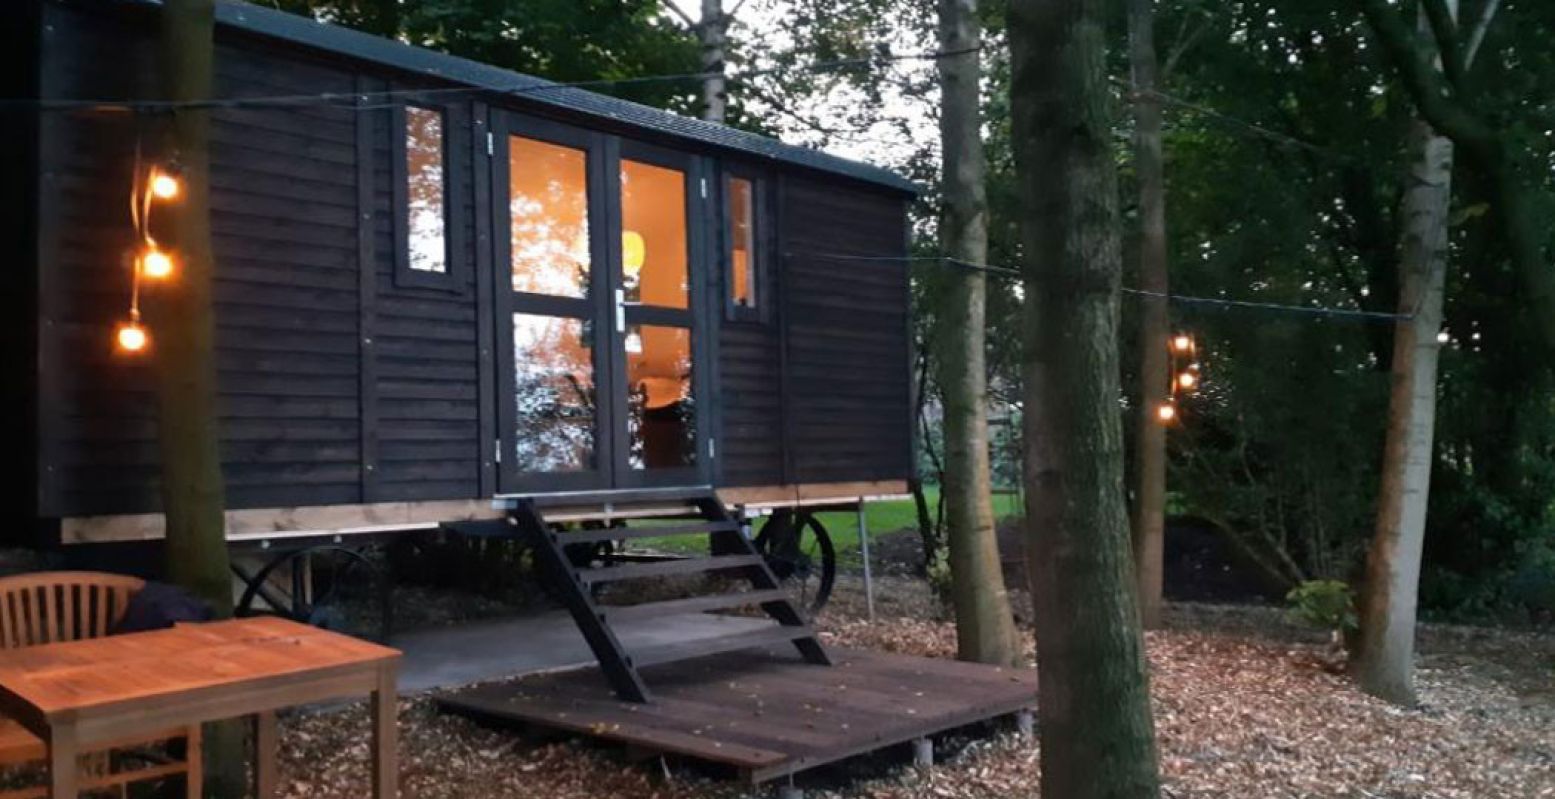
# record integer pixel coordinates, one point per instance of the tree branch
(676, 10)
(1445, 28)
(1477, 34)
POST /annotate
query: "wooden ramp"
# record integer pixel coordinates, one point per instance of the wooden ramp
(763, 713)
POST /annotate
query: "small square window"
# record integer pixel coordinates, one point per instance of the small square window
(746, 259)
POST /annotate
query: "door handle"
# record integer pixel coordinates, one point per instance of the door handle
(620, 310)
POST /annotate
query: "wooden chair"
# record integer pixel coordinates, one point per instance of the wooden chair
(51, 607)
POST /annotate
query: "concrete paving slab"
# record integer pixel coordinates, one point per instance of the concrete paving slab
(489, 650)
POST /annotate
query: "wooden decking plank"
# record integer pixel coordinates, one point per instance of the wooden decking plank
(616, 614)
(705, 708)
(669, 568)
(686, 650)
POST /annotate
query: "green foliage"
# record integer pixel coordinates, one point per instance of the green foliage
(1325, 604)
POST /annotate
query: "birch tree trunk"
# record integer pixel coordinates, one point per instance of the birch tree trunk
(1386, 646)
(715, 98)
(985, 628)
(1384, 663)
(193, 499)
(1155, 367)
(1097, 734)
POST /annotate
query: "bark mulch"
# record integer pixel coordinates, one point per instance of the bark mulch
(1245, 706)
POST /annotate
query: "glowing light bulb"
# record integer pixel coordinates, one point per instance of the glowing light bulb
(156, 264)
(1443, 337)
(1165, 412)
(164, 186)
(634, 252)
(132, 337)
(1182, 343)
(1187, 380)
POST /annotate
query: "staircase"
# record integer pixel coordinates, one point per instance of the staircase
(697, 512)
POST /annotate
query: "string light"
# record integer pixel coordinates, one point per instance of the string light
(132, 337)
(1182, 343)
(164, 184)
(1187, 380)
(1185, 375)
(156, 264)
(1166, 413)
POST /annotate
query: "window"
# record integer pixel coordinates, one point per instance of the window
(745, 258)
(425, 250)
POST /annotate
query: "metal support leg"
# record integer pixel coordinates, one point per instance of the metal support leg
(1026, 724)
(923, 752)
(863, 548)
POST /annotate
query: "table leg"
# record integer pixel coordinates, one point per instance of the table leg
(386, 760)
(265, 778)
(194, 762)
(62, 761)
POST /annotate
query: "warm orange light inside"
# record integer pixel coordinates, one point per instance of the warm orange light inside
(156, 264)
(1187, 380)
(1165, 412)
(1182, 343)
(164, 186)
(132, 337)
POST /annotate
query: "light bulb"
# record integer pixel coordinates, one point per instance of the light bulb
(1182, 343)
(1187, 380)
(634, 251)
(164, 186)
(132, 337)
(156, 264)
(1165, 412)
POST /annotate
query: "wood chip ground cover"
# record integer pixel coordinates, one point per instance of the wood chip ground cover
(1244, 707)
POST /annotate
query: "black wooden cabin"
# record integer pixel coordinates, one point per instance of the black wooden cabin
(474, 286)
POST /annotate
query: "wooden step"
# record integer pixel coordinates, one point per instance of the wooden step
(697, 604)
(668, 568)
(568, 537)
(619, 499)
(685, 650)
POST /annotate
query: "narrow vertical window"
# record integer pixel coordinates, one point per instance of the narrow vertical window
(425, 191)
(744, 259)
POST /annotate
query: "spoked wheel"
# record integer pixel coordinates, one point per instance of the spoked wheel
(800, 553)
(320, 579)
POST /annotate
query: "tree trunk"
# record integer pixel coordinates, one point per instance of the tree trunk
(715, 98)
(985, 628)
(1154, 366)
(1384, 663)
(193, 503)
(1097, 733)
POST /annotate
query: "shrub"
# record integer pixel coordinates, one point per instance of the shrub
(1325, 604)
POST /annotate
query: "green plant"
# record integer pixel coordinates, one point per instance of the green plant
(1326, 604)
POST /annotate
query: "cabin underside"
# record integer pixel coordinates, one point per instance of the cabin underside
(426, 302)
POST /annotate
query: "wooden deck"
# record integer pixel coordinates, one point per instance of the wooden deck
(763, 713)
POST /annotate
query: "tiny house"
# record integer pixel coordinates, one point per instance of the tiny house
(438, 284)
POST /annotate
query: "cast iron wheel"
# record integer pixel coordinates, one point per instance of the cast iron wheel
(334, 570)
(800, 553)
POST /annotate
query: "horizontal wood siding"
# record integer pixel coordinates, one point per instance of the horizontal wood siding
(846, 326)
(750, 442)
(425, 343)
(285, 220)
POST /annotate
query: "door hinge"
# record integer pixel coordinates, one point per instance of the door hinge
(491, 144)
(496, 448)
(712, 449)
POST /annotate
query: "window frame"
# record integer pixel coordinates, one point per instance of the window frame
(452, 278)
(763, 221)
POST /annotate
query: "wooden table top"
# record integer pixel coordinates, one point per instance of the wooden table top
(98, 674)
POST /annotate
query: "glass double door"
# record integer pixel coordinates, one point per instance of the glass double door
(599, 242)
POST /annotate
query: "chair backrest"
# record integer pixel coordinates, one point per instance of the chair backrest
(47, 607)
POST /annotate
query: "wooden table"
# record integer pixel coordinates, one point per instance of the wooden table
(83, 693)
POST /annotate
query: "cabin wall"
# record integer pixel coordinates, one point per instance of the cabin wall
(337, 386)
(20, 63)
(846, 348)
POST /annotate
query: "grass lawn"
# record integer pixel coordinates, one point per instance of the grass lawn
(886, 516)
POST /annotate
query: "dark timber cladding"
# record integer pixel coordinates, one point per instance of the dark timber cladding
(341, 383)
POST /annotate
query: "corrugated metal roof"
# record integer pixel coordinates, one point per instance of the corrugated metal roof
(355, 44)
